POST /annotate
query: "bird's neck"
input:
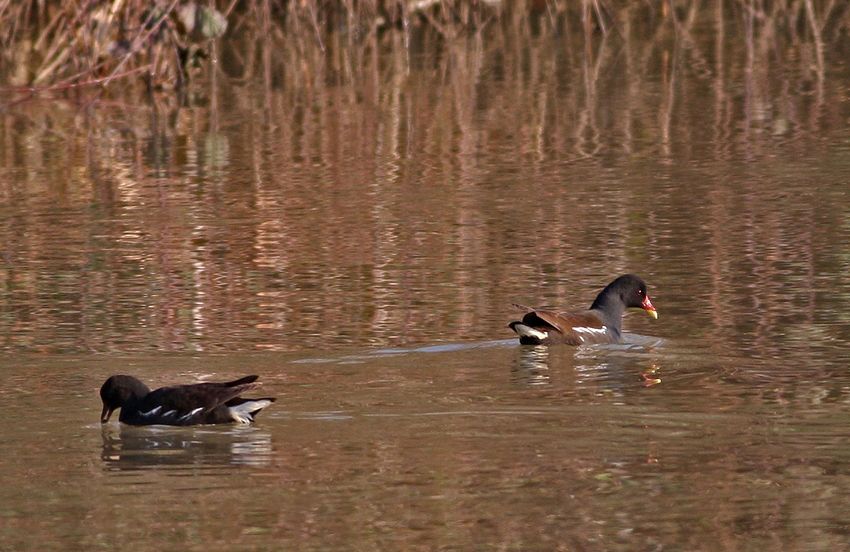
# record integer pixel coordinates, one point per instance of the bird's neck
(610, 310)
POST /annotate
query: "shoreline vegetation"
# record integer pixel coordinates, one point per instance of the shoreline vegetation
(58, 46)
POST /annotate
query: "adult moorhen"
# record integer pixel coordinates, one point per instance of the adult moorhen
(600, 324)
(180, 405)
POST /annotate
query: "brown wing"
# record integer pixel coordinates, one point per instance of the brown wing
(572, 328)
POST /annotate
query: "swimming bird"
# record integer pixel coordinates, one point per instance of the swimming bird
(180, 405)
(601, 323)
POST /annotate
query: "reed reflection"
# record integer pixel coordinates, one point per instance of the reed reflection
(385, 209)
(135, 448)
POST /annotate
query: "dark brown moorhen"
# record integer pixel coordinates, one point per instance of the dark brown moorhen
(180, 405)
(600, 324)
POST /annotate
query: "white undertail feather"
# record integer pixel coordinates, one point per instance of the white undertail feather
(242, 412)
(527, 331)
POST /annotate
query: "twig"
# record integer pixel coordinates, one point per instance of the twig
(65, 85)
(138, 42)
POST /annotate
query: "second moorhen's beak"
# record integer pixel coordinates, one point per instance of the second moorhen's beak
(105, 414)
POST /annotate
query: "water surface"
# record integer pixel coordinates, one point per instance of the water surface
(358, 241)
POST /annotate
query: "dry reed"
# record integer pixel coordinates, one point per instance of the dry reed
(64, 45)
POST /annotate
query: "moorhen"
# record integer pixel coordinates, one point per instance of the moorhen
(180, 405)
(601, 323)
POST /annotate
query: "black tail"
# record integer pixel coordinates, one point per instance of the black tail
(242, 381)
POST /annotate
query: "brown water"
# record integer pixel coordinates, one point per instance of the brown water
(357, 240)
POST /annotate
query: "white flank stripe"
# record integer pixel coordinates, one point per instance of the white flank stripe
(151, 412)
(185, 417)
(592, 331)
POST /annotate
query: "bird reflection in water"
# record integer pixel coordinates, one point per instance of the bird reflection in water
(134, 448)
(532, 367)
(615, 365)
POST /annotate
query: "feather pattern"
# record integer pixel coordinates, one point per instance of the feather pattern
(601, 323)
(199, 403)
